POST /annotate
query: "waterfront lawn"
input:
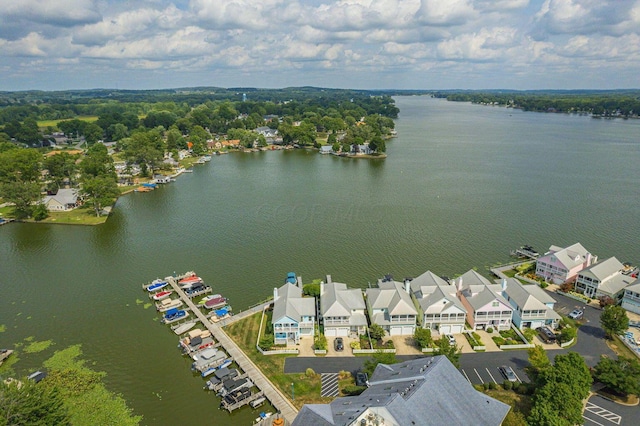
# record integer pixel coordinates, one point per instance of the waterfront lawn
(79, 216)
(306, 388)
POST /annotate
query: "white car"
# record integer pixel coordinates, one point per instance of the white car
(451, 339)
(576, 314)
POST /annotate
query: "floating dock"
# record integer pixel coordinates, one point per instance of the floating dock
(525, 252)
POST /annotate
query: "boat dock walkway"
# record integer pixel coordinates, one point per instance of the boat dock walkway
(273, 394)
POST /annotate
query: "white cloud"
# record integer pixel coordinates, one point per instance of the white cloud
(56, 12)
(446, 13)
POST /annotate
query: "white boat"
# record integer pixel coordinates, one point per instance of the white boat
(157, 285)
(206, 158)
(166, 304)
(263, 415)
(183, 328)
(258, 402)
(162, 295)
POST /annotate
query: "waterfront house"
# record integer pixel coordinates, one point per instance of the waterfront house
(559, 265)
(266, 131)
(484, 302)
(294, 316)
(631, 298)
(532, 306)
(416, 392)
(342, 309)
(439, 308)
(64, 200)
(390, 307)
(605, 278)
(326, 149)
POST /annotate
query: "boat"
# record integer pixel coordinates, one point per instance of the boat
(291, 278)
(206, 158)
(143, 189)
(166, 304)
(173, 315)
(207, 358)
(157, 285)
(262, 416)
(200, 161)
(183, 328)
(258, 402)
(189, 281)
(4, 354)
(215, 303)
(222, 311)
(209, 371)
(162, 295)
(207, 298)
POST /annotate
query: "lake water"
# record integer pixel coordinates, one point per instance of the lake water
(463, 185)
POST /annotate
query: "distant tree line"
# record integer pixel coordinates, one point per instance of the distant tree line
(606, 104)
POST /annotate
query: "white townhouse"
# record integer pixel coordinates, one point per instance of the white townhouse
(605, 278)
(342, 309)
(438, 306)
(532, 306)
(390, 306)
(294, 316)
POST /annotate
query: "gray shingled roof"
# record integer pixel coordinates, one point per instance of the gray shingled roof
(571, 256)
(290, 303)
(64, 196)
(392, 296)
(426, 280)
(337, 300)
(410, 393)
(432, 302)
(523, 298)
(603, 270)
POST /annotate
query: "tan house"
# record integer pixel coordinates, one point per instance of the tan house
(64, 200)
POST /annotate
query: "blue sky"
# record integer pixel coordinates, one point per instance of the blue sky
(363, 44)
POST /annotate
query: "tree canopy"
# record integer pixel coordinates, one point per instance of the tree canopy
(614, 320)
(621, 375)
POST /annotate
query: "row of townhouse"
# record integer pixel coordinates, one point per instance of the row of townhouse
(594, 279)
(428, 301)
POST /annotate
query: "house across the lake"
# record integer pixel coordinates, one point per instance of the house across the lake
(64, 200)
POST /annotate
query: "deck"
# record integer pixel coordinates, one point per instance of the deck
(273, 394)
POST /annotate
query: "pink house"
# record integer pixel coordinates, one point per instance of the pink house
(484, 302)
(560, 265)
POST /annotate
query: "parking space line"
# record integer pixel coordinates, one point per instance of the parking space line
(514, 373)
(491, 375)
(603, 412)
(587, 418)
(478, 374)
(465, 375)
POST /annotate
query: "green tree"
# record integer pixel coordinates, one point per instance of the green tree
(20, 165)
(61, 166)
(378, 358)
(40, 212)
(97, 162)
(568, 333)
(376, 332)
(452, 352)
(614, 320)
(29, 132)
(100, 191)
(422, 337)
(554, 405)
(92, 133)
(538, 361)
(621, 375)
(23, 195)
(312, 289)
(28, 403)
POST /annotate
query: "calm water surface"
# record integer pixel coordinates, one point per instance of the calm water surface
(463, 184)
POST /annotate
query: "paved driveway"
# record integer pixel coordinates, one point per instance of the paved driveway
(602, 412)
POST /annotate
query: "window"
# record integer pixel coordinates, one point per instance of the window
(495, 304)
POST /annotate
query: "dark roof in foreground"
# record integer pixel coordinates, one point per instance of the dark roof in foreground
(426, 391)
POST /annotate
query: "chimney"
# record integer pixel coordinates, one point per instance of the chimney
(460, 284)
(588, 260)
(407, 286)
(504, 286)
(329, 279)
(275, 293)
(299, 281)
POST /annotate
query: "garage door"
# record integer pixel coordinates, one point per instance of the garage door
(330, 332)
(342, 332)
(444, 329)
(407, 330)
(456, 329)
(395, 331)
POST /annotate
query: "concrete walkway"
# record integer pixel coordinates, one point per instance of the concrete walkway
(273, 394)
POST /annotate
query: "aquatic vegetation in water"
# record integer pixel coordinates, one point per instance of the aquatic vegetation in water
(35, 347)
(3, 328)
(139, 302)
(147, 305)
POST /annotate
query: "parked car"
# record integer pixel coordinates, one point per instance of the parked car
(576, 314)
(361, 378)
(508, 373)
(338, 344)
(451, 339)
(546, 335)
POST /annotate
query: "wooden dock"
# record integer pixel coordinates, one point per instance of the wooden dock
(273, 394)
(525, 252)
(231, 407)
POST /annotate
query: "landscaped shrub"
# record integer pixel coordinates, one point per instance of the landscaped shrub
(485, 385)
(493, 386)
(343, 374)
(310, 373)
(489, 329)
(567, 334)
(266, 342)
(352, 390)
(355, 345)
(529, 334)
(507, 385)
(422, 337)
(499, 340)
(320, 342)
(364, 342)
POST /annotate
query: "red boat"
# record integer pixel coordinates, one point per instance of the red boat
(189, 281)
(162, 295)
(215, 303)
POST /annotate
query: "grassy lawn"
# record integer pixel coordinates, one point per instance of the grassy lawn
(54, 123)
(520, 405)
(306, 389)
(80, 216)
(620, 348)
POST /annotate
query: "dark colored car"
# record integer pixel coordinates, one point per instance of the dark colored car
(508, 373)
(546, 335)
(338, 344)
(361, 378)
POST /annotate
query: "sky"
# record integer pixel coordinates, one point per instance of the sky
(357, 44)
